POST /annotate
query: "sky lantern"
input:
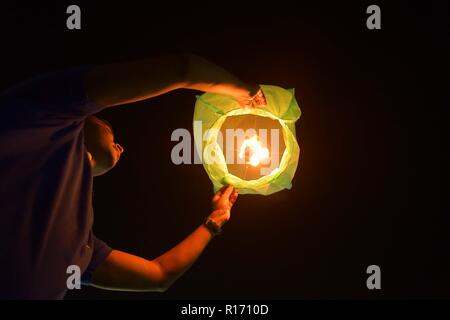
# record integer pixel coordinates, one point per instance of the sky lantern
(255, 149)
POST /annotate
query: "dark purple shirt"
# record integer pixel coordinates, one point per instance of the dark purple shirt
(46, 211)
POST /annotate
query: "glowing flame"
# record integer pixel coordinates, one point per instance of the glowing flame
(252, 150)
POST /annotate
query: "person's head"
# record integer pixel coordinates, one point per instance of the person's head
(99, 138)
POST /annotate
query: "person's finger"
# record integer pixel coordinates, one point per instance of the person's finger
(245, 102)
(221, 190)
(259, 98)
(233, 197)
(239, 92)
(226, 194)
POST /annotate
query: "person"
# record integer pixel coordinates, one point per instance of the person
(51, 146)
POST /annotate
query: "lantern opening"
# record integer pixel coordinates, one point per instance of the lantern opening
(252, 145)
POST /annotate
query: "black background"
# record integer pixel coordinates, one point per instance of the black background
(368, 186)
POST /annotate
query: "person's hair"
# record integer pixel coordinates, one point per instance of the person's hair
(108, 124)
(96, 120)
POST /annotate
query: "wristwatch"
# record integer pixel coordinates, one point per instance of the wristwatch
(212, 226)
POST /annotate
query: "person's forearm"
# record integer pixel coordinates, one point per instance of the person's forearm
(208, 77)
(180, 258)
(116, 84)
(127, 272)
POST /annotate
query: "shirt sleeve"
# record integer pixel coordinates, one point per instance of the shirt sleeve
(60, 94)
(100, 251)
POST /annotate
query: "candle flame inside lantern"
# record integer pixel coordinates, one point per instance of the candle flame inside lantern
(252, 151)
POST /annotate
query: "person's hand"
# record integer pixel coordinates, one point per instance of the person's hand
(222, 202)
(248, 95)
(244, 93)
(257, 99)
(224, 198)
(206, 76)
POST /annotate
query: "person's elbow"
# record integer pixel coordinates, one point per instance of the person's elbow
(165, 280)
(165, 283)
(162, 287)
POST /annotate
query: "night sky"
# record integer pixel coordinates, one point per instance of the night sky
(368, 186)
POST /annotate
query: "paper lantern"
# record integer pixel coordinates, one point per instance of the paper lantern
(213, 110)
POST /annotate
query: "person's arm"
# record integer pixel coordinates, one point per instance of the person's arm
(116, 84)
(126, 272)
